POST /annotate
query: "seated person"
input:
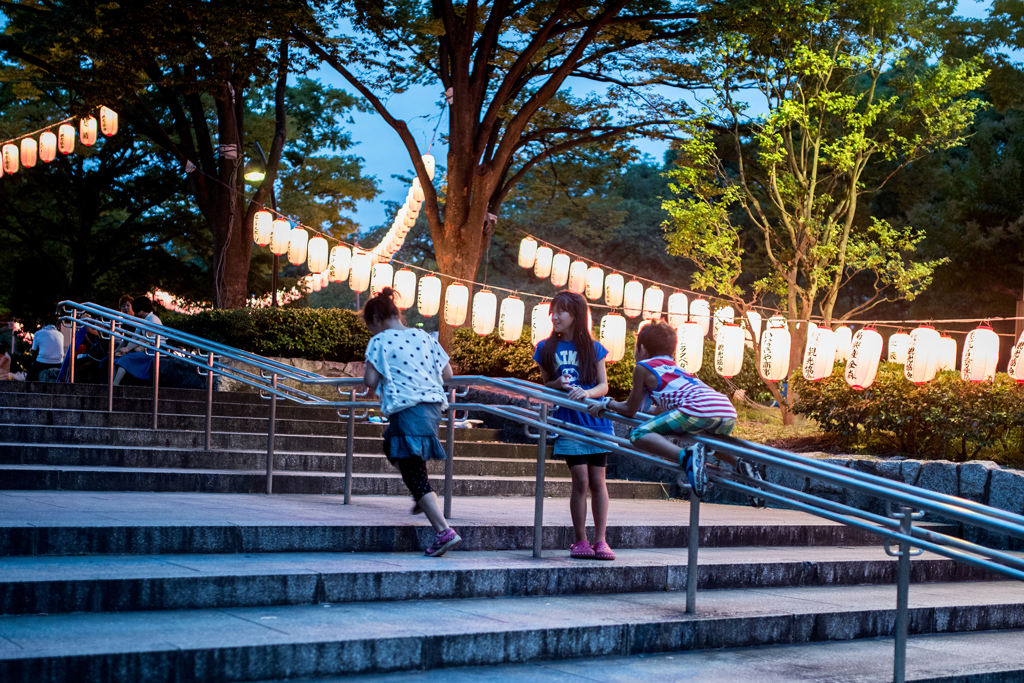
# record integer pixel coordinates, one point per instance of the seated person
(124, 304)
(90, 355)
(5, 361)
(48, 347)
(132, 359)
(685, 405)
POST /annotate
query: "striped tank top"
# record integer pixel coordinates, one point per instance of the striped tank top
(678, 389)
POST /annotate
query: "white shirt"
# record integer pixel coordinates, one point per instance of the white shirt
(152, 318)
(50, 344)
(410, 363)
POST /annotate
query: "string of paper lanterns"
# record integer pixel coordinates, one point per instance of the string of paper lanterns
(25, 151)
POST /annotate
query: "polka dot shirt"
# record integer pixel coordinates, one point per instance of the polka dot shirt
(410, 362)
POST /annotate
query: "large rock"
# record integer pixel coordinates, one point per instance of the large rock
(939, 476)
(1006, 490)
(974, 479)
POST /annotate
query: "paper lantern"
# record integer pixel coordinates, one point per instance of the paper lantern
(922, 355)
(844, 337)
(428, 163)
(405, 289)
(87, 131)
(540, 323)
(359, 271)
(862, 365)
(595, 283)
(654, 301)
(324, 280)
(578, 277)
(417, 190)
(314, 283)
(47, 147)
(729, 350)
(542, 262)
(1016, 367)
(338, 263)
(29, 152)
(412, 212)
(613, 336)
(485, 307)
(262, 223)
(527, 252)
(773, 364)
(66, 138)
(298, 240)
(456, 304)
(428, 299)
(381, 276)
(316, 254)
(406, 218)
(981, 351)
(898, 345)
(700, 313)
(11, 155)
(820, 355)
(560, 270)
(752, 331)
(633, 298)
(678, 306)
(723, 316)
(280, 233)
(108, 121)
(690, 347)
(947, 354)
(510, 320)
(613, 290)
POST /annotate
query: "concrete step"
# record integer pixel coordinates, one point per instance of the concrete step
(123, 583)
(68, 478)
(259, 643)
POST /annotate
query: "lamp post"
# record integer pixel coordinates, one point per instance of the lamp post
(255, 172)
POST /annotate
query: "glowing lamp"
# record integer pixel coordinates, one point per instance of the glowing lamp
(633, 298)
(485, 308)
(844, 338)
(47, 147)
(527, 252)
(981, 351)
(316, 254)
(359, 271)
(862, 365)
(510, 319)
(29, 152)
(819, 354)
(613, 290)
(381, 277)
(898, 345)
(752, 330)
(87, 131)
(280, 232)
(654, 301)
(578, 277)
(540, 323)
(560, 270)
(1016, 367)
(922, 355)
(595, 283)
(298, 240)
(729, 350)
(947, 353)
(613, 336)
(542, 262)
(677, 309)
(108, 121)
(776, 343)
(723, 316)
(690, 347)
(66, 138)
(428, 298)
(405, 289)
(428, 163)
(700, 313)
(456, 304)
(10, 154)
(262, 223)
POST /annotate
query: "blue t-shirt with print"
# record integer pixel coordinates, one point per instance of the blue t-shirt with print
(566, 357)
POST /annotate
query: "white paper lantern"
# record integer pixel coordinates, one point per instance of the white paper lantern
(428, 299)
(280, 235)
(485, 308)
(820, 355)
(542, 263)
(844, 338)
(87, 131)
(406, 218)
(456, 304)
(510, 320)
(338, 263)
(922, 355)
(47, 147)
(262, 223)
(654, 301)
(690, 347)
(595, 283)
(381, 276)
(947, 354)
(405, 289)
(428, 162)
(412, 211)
(633, 298)
(862, 365)
(527, 252)
(898, 345)
(700, 313)
(108, 121)
(776, 343)
(981, 352)
(578, 277)
(316, 254)
(613, 336)
(752, 330)
(314, 282)
(614, 285)
(417, 190)
(359, 271)
(678, 307)
(1015, 369)
(729, 350)
(11, 156)
(540, 323)
(414, 200)
(298, 240)
(560, 270)
(723, 316)
(29, 152)
(66, 138)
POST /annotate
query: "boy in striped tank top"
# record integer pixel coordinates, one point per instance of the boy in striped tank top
(684, 405)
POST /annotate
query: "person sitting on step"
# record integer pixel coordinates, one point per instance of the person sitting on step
(685, 405)
(131, 359)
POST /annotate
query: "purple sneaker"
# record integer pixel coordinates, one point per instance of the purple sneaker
(445, 541)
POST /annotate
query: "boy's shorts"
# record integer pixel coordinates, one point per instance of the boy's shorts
(678, 422)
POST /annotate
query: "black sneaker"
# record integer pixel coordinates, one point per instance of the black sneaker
(748, 470)
(694, 467)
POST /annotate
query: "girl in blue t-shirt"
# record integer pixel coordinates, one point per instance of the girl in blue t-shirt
(570, 360)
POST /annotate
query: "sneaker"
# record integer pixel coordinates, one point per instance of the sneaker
(443, 542)
(748, 470)
(695, 473)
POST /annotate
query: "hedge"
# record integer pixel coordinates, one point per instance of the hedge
(946, 417)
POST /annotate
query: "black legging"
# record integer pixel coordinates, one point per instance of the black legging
(414, 474)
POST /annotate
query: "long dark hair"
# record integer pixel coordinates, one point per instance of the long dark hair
(380, 307)
(576, 306)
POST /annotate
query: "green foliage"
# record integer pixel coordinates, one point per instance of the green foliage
(475, 355)
(946, 417)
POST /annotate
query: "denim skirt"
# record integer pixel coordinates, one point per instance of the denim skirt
(412, 433)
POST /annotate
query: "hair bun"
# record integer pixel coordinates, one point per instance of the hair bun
(386, 293)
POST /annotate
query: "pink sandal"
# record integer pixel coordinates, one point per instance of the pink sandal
(581, 551)
(602, 551)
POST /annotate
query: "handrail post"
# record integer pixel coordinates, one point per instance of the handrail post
(74, 348)
(350, 436)
(538, 492)
(691, 554)
(906, 515)
(156, 381)
(450, 456)
(110, 370)
(209, 401)
(270, 435)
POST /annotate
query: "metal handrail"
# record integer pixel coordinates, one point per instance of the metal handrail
(905, 502)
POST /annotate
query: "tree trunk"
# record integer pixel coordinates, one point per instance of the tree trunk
(458, 257)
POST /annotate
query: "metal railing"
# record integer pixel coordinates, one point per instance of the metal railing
(905, 504)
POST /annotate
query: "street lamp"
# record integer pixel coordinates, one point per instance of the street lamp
(255, 172)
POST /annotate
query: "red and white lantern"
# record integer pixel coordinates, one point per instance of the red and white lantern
(922, 355)
(510, 320)
(819, 354)
(899, 343)
(578, 277)
(654, 301)
(752, 332)
(700, 313)
(404, 285)
(633, 298)
(262, 222)
(613, 336)
(1016, 367)
(614, 285)
(485, 309)
(456, 304)
(862, 365)
(11, 158)
(595, 283)
(87, 131)
(359, 271)
(339, 263)
(723, 316)
(774, 361)
(316, 254)
(981, 352)
(527, 252)
(947, 354)
(542, 262)
(47, 146)
(678, 306)
(729, 350)
(560, 270)
(29, 152)
(540, 323)
(690, 347)
(108, 121)
(66, 138)
(298, 240)
(428, 299)
(844, 338)
(381, 276)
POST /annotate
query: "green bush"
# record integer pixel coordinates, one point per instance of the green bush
(946, 417)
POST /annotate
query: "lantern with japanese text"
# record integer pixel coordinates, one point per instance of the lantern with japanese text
(382, 275)
(633, 298)
(542, 262)
(947, 354)
(654, 301)
(338, 263)
(456, 304)
(844, 338)
(981, 351)
(775, 346)
(428, 298)
(316, 254)
(700, 313)
(613, 336)
(404, 285)
(29, 152)
(752, 330)
(729, 350)
(66, 138)
(560, 270)
(819, 354)
(690, 347)
(359, 271)
(862, 365)
(898, 345)
(613, 290)
(108, 121)
(678, 306)
(540, 323)
(87, 131)
(298, 240)
(262, 222)
(11, 155)
(578, 277)
(922, 355)
(510, 320)
(280, 234)
(47, 146)
(527, 252)
(485, 308)
(1015, 369)
(595, 283)
(723, 316)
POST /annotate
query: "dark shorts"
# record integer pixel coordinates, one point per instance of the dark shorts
(592, 459)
